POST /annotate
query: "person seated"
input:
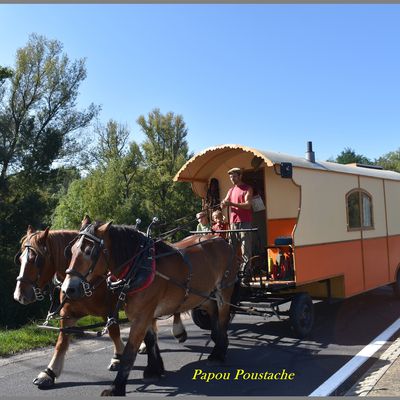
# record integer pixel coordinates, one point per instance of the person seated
(203, 223)
(219, 223)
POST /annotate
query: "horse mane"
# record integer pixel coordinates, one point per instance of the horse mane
(125, 241)
(58, 240)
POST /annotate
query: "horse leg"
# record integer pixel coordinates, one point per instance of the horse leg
(143, 348)
(155, 366)
(46, 378)
(115, 335)
(136, 336)
(178, 329)
(219, 323)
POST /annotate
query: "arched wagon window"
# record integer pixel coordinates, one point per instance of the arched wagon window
(359, 210)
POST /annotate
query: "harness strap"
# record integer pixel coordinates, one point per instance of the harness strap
(50, 373)
(187, 261)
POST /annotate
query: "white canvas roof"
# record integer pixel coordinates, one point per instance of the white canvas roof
(200, 166)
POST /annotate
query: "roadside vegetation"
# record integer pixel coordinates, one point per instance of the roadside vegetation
(30, 336)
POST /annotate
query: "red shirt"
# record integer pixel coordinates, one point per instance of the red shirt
(220, 226)
(237, 195)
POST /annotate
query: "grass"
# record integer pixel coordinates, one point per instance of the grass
(31, 337)
(26, 338)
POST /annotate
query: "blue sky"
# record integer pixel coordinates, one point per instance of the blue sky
(266, 76)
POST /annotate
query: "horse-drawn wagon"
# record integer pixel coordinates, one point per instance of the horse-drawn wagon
(327, 230)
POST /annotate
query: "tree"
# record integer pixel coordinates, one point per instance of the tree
(107, 193)
(349, 156)
(38, 111)
(5, 73)
(390, 161)
(113, 151)
(39, 124)
(165, 151)
(111, 143)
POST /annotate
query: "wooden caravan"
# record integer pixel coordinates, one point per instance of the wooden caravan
(328, 229)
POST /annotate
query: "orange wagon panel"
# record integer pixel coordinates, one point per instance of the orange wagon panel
(394, 255)
(376, 269)
(324, 261)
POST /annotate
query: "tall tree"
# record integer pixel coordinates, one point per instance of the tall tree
(165, 150)
(38, 111)
(39, 124)
(108, 191)
(112, 140)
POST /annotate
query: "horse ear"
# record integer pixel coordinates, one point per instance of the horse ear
(44, 235)
(30, 230)
(86, 220)
(104, 227)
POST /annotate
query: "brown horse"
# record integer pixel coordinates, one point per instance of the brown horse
(41, 257)
(197, 272)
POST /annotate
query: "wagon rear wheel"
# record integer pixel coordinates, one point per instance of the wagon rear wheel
(302, 315)
(201, 319)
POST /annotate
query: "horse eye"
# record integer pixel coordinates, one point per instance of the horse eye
(87, 250)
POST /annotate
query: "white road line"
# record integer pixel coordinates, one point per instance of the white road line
(359, 359)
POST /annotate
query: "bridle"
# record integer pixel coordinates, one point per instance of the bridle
(97, 249)
(39, 262)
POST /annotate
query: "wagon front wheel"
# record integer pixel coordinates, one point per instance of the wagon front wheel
(201, 319)
(302, 315)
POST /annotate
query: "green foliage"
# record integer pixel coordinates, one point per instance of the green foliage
(39, 128)
(38, 111)
(5, 73)
(107, 193)
(26, 338)
(165, 151)
(349, 156)
(131, 182)
(390, 161)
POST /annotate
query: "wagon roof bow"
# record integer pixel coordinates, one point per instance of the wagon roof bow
(202, 165)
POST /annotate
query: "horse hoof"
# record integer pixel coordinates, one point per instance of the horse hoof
(114, 391)
(152, 377)
(44, 381)
(114, 364)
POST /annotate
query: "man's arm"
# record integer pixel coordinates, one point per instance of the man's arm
(246, 205)
(225, 202)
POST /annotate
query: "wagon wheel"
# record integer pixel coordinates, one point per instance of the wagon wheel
(302, 314)
(396, 285)
(201, 319)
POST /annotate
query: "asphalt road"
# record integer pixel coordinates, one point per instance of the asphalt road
(266, 347)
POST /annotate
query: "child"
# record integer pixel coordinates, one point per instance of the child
(219, 223)
(203, 224)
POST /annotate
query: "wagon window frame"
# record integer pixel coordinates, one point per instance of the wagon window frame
(364, 214)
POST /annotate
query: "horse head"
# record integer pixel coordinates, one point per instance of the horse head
(35, 269)
(88, 259)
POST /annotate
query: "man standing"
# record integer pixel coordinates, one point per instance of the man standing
(239, 199)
